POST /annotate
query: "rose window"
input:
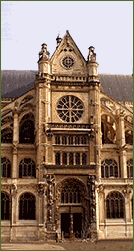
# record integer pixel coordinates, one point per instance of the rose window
(68, 62)
(70, 108)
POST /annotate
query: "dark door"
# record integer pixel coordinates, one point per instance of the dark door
(65, 224)
(77, 224)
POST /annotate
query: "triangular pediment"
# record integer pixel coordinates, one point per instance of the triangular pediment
(67, 58)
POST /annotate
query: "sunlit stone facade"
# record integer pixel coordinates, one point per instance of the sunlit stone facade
(66, 153)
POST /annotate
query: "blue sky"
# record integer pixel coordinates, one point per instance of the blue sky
(106, 25)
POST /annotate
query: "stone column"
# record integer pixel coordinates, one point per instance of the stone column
(40, 190)
(51, 227)
(95, 110)
(101, 203)
(13, 211)
(127, 191)
(92, 207)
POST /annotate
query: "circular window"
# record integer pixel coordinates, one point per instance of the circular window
(68, 62)
(70, 108)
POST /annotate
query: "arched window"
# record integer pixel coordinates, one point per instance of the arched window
(5, 168)
(64, 140)
(27, 129)
(130, 168)
(27, 168)
(5, 206)
(64, 158)
(71, 194)
(57, 158)
(84, 159)
(83, 140)
(57, 140)
(77, 159)
(70, 140)
(27, 207)
(77, 140)
(71, 160)
(109, 168)
(6, 136)
(115, 205)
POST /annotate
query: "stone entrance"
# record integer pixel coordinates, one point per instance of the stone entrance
(71, 223)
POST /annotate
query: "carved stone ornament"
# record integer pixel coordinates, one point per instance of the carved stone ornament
(40, 189)
(127, 190)
(13, 189)
(100, 188)
(49, 134)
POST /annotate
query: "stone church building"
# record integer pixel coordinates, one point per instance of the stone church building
(66, 149)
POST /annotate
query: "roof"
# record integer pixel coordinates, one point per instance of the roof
(15, 83)
(118, 87)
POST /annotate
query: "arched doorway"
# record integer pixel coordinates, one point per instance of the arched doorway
(72, 208)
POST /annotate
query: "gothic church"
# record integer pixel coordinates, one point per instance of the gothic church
(66, 149)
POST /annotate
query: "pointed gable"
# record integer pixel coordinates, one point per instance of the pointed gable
(67, 58)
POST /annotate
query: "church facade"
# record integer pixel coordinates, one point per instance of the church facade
(66, 152)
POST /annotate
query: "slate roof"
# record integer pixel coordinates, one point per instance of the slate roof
(15, 83)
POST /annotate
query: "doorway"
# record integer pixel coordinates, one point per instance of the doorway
(77, 224)
(65, 224)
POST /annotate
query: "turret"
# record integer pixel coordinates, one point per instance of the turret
(43, 62)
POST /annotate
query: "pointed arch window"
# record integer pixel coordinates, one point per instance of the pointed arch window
(57, 158)
(5, 168)
(77, 159)
(109, 168)
(71, 160)
(7, 135)
(5, 206)
(64, 156)
(26, 134)
(130, 168)
(115, 205)
(27, 168)
(27, 207)
(84, 159)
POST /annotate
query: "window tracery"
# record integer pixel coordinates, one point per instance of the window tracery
(5, 168)
(7, 135)
(27, 168)
(27, 129)
(71, 194)
(109, 168)
(71, 140)
(70, 108)
(72, 159)
(27, 207)
(5, 206)
(130, 168)
(115, 205)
